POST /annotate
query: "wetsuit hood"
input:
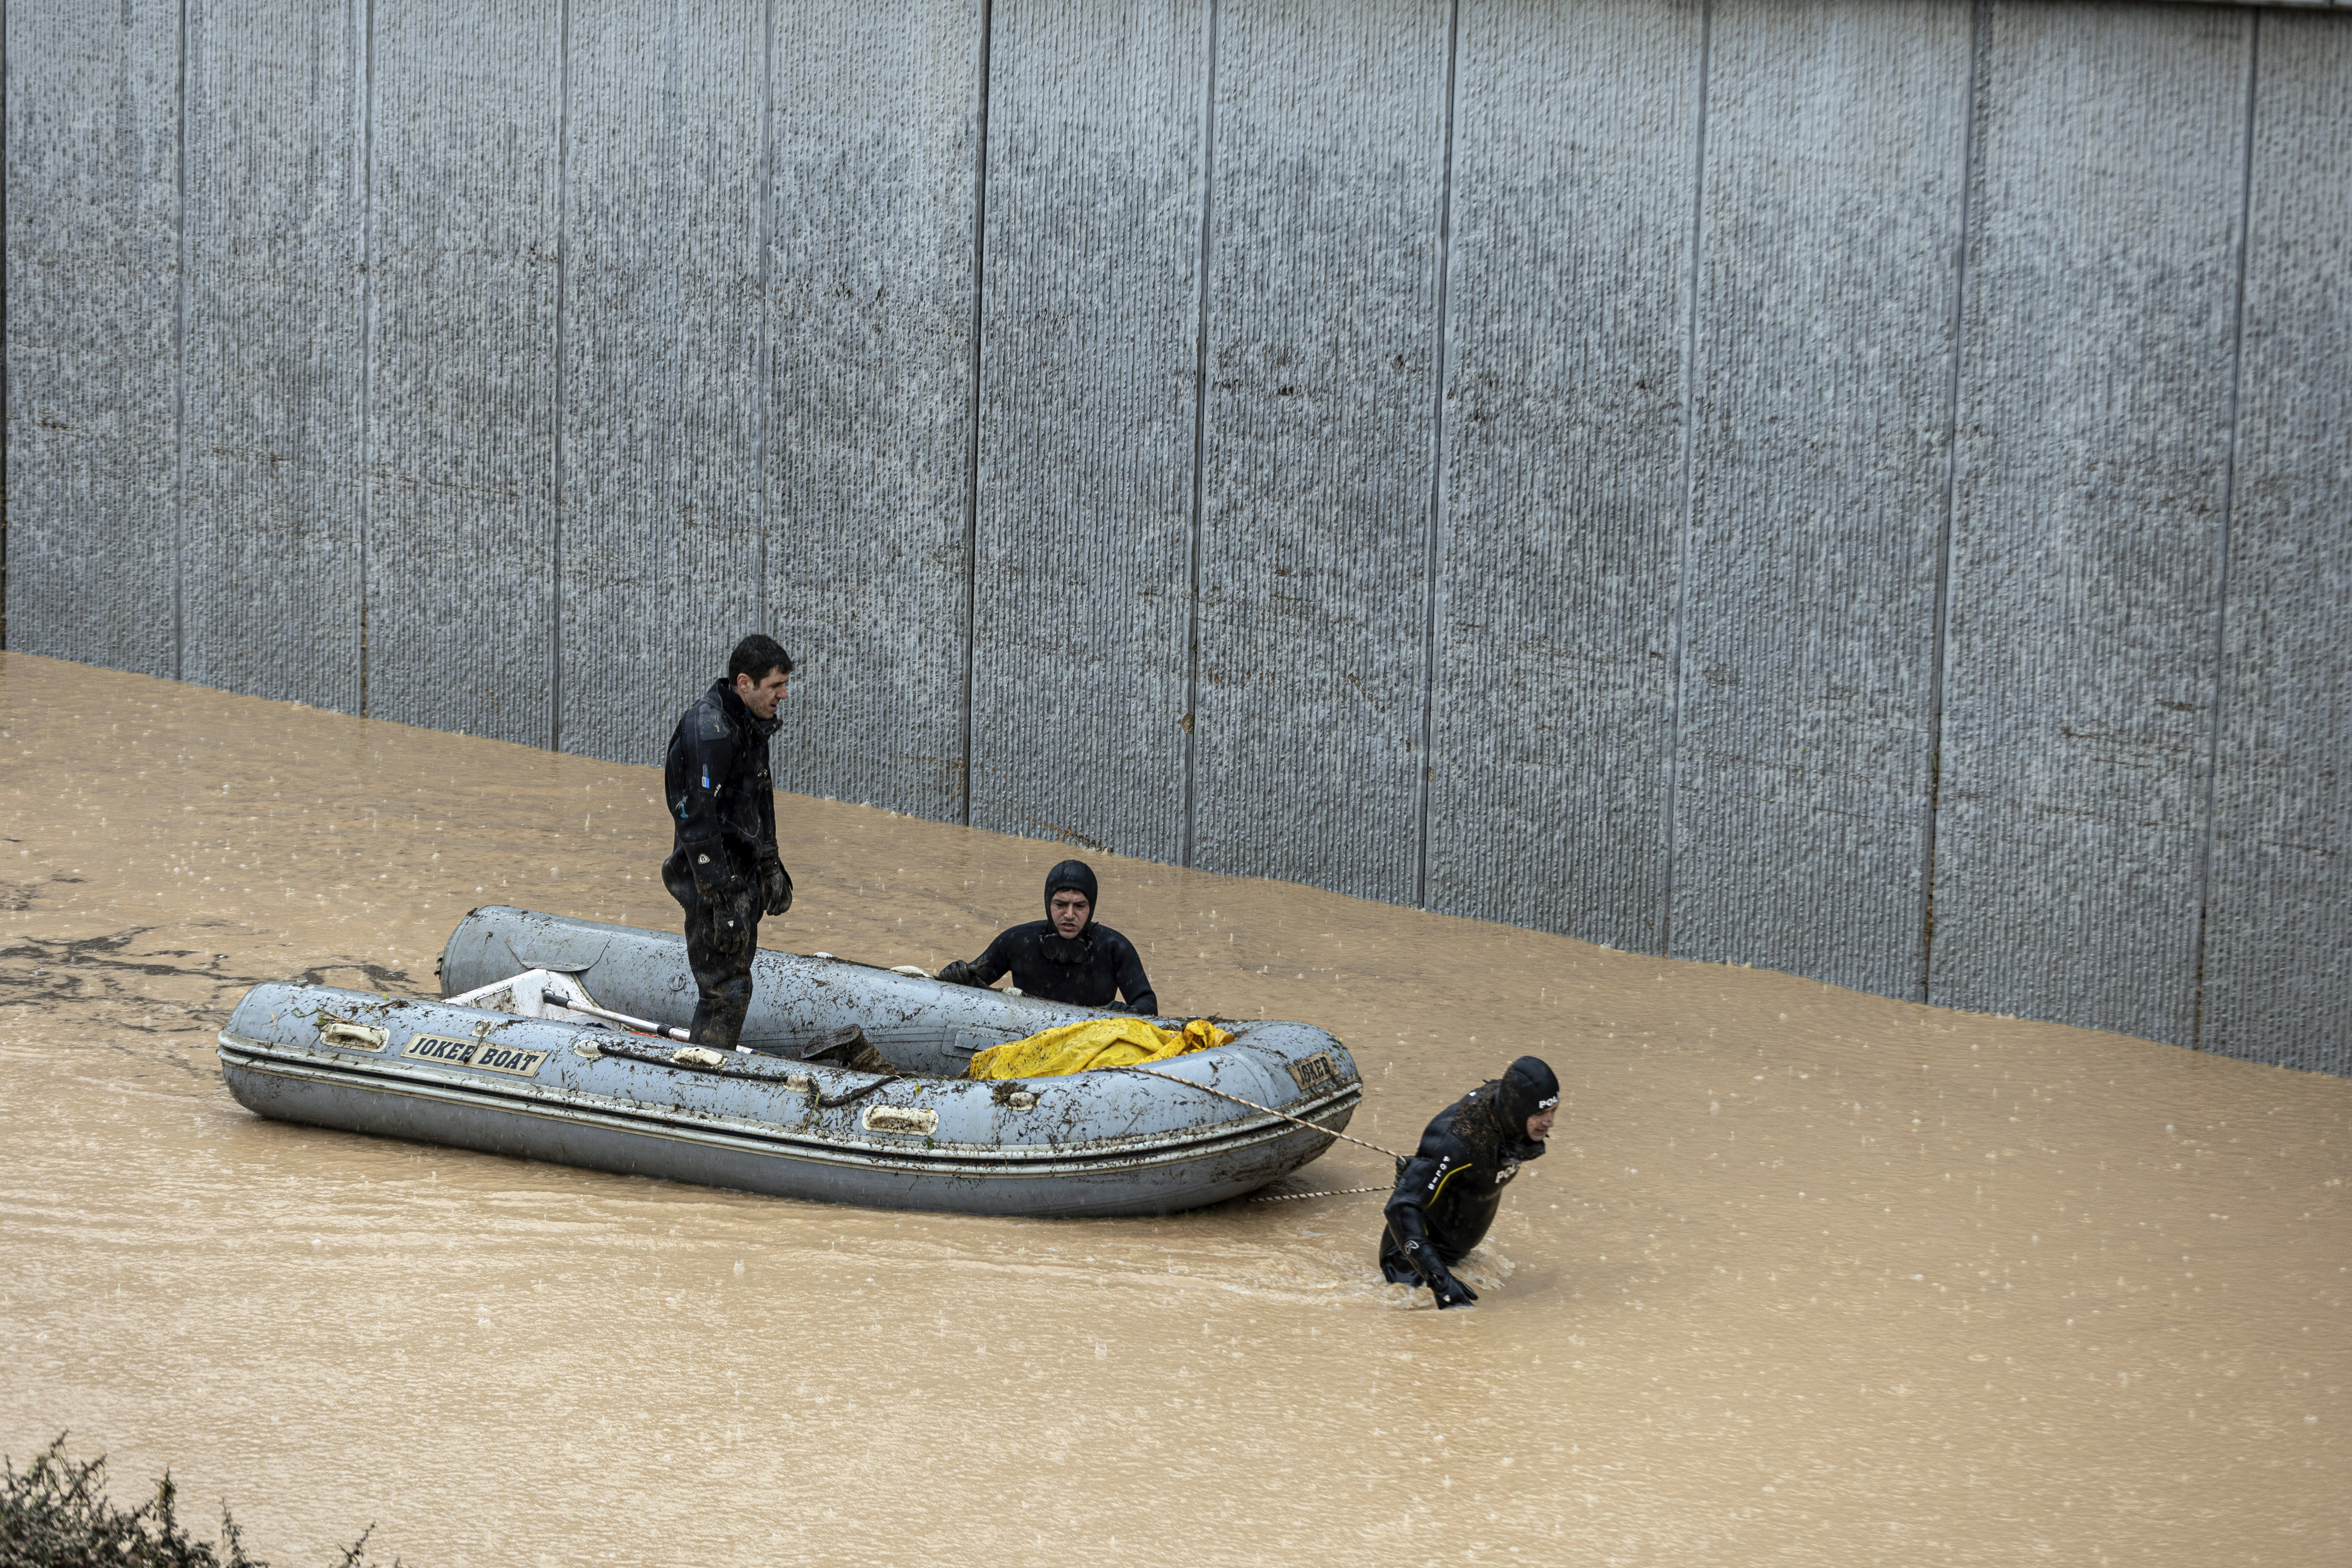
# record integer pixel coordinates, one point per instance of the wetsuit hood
(1527, 1087)
(1077, 877)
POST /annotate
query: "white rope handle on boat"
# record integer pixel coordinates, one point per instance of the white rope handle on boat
(1270, 1110)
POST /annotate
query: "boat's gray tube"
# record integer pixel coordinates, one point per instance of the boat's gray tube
(1092, 1143)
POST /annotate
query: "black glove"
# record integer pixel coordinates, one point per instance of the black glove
(729, 933)
(1449, 1291)
(956, 971)
(775, 884)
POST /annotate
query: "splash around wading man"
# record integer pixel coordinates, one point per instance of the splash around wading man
(724, 868)
(1450, 1189)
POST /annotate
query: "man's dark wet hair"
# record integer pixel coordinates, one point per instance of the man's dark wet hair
(755, 655)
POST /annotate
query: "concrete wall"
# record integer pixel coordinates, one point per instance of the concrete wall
(1859, 486)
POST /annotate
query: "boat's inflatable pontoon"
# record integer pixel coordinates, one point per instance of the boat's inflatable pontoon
(554, 1040)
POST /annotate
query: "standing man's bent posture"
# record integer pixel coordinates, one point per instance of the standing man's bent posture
(724, 869)
(1447, 1193)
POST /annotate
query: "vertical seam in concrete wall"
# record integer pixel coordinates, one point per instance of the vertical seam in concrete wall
(971, 402)
(555, 470)
(1422, 785)
(180, 374)
(1690, 495)
(1195, 544)
(1980, 43)
(762, 357)
(367, 323)
(2229, 499)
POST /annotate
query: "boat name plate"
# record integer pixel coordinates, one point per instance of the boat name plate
(1311, 1073)
(912, 1119)
(485, 1055)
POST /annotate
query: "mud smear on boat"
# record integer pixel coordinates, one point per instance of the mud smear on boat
(1806, 1275)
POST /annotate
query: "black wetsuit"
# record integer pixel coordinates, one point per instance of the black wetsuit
(1448, 1192)
(1085, 969)
(722, 804)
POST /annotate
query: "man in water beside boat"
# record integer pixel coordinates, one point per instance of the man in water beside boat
(724, 868)
(1449, 1192)
(1066, 956)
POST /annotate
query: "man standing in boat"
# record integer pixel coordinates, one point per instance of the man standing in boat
(1066, 956)
(1449, 1192)
(723, 868)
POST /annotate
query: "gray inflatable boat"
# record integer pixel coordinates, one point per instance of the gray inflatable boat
(557, 1039)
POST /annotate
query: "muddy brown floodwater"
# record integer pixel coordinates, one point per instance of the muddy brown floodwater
(1807, 1275)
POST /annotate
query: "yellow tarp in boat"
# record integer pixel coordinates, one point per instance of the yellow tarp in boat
(1097, 1043)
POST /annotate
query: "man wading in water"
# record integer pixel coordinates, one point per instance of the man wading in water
(724, 869)
(1064, 957)
(1448, 1193)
